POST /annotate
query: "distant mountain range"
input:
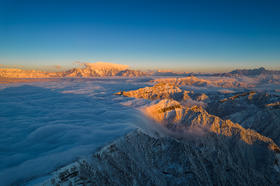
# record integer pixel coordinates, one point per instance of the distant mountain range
(252, 72)
(89, 70)
(101, 69)
(234, 73)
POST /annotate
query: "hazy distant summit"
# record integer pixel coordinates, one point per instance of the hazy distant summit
(101, 69)
(235, 73)
(88, 70)
(20, 73)
(252, 72)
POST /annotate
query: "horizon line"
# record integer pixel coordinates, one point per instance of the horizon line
(183, 69)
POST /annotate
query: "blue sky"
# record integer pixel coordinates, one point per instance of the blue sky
(185, 35)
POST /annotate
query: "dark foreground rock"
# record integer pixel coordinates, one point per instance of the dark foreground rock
(142, 159)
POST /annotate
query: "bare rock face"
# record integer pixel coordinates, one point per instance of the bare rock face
(158, 91)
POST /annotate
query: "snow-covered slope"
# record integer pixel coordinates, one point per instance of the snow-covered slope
(142, 159)
(179, 118)
(197, 149)
(260, 75)
(256, 110)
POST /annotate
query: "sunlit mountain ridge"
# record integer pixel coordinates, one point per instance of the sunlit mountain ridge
(99, 69)
(103, 69)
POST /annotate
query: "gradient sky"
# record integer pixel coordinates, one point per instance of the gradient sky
(182, 35)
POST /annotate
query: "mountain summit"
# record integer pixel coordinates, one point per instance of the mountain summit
(99, 69)
(88, 70)
(252, 72)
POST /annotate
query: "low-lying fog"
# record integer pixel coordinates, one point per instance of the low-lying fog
(45, 125)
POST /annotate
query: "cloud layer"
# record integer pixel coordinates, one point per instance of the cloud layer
(46, 125)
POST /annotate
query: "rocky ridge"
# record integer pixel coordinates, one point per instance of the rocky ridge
(177, 117)
(101, 69)
(195, 147)
(256, 110)
(164, 90)
(158, 91)
(203, 82)
(252, 72)
(88, 70)
(239, 156)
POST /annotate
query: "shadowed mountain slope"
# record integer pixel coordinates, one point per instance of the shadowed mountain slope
(195, 149)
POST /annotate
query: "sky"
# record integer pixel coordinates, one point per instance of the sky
(198, 35)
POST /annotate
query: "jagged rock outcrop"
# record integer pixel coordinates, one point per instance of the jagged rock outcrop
(202, 97)
(163, 90)
(158, 91)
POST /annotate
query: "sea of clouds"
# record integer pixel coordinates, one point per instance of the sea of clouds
(45, 125)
